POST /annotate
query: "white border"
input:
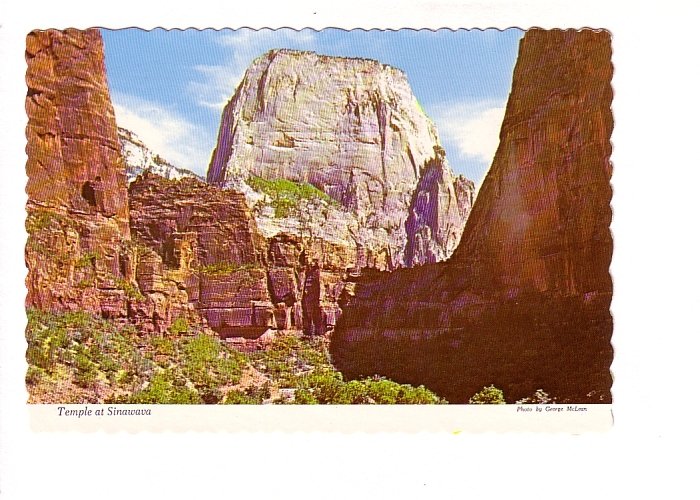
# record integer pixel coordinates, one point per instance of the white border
(655, 271)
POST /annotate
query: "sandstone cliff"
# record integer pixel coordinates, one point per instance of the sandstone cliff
(242, 283)
(353, 129)
(524, 301)
(79, 252)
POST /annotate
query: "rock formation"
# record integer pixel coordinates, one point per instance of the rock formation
(78, 253)
(353, 129)
(139, 159)
(77, 207)
(74, 162)
(523, 303)
(242, 283)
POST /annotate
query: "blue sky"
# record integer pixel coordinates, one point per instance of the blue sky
(170, 86)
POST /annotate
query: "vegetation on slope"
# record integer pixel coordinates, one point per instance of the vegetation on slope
(303, 367)
(76, 358)
(287, 197)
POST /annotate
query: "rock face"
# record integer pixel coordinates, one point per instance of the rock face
(524, 301)
(242, 283)
(74, 162)
(353, 129)
(207, 236)
(139, 159)
(77, 209)
(79, 252)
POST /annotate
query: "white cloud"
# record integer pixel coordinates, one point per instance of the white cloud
(164, 132)
(217, 83)
(179, 140)
(473, 127)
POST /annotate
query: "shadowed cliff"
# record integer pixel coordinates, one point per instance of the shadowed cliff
(523, 303)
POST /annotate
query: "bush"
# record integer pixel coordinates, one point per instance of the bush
(48, 338)
(382, 391)
(163, 346)
(81, 349)
(286, 195)
(162, 390)
(239, 398)
(88, 259)
(131, 291)
(179, 326)
(304, 365)
(488, 396)
(539, 398)
(304, 397)
(34, 375)
(225, 268)
(208, 364)
(86, 374)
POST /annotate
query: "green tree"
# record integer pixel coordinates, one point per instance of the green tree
(488, 396)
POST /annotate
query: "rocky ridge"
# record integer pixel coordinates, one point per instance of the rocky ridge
(138, 159)
(353, 129)
(523, 303)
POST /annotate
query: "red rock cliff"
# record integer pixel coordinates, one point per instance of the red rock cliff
(524, 301)
(240, 282)
(77, 205)
(79, 254)
(74, 160)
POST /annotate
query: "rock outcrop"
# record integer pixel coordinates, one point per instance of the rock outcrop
(353, 129)
(523, 303)
(79, 252)
(138, 159)
(242, 283)
(77, 208)
(73, 153)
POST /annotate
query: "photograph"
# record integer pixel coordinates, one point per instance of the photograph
(319, 217)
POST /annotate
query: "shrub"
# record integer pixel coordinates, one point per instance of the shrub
(163, 346)
(34, 375)
(180, 325)
(131, 291)
(239, 398)
(38, 220)
(162, 390)
(488, 396)
(304, 397)
(47, 337)
(226, 268)
(87, 259)
(86, 374)
(539, 398)
(326, 386)
(382, 391)
(286, 195)
(208, 364)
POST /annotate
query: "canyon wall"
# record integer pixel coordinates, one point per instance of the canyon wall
(79, 252)
(523, 303)
(239, 281)
(353, 129)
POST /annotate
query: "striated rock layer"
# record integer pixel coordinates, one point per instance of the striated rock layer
(79, 252)
(524, 301)
(73, 160)
(242, 283)
(353, 129)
